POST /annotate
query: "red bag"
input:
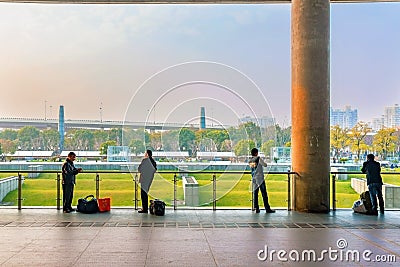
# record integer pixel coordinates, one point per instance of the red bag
(104, 204)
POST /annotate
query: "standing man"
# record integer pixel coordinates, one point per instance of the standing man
(374, 182)
(147, 169)
(257, 173)
(69, 173)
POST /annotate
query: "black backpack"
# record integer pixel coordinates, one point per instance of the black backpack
(366, 199)
(157, 207)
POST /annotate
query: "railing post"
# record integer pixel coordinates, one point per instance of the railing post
(175, 207)
(214, 192)
(333, 192)
(289, 192)
(19, 191)
(58, 191)
(97, 185)
(135, 180)
(252, 192)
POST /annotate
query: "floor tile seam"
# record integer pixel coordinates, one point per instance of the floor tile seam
(148, 246)
(94, 237)
(21, 250)
(373, 243)
(209, 247)
(383, 239)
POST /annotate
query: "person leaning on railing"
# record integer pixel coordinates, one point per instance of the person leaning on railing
(374, 182)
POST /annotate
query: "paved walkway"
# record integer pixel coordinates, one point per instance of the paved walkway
(122, 237)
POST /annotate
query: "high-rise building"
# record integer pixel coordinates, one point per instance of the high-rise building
(263, 122)
(345, 118)
(392, 116)
(378, 123)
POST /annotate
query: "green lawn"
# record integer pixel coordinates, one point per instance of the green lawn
(233, 190)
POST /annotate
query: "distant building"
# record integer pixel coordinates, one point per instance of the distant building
(118, 154)
(392, 116)
(263, 122)
(345, 118)
(377, 123)
(281, 154)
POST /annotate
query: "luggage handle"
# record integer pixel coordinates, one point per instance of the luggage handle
(89, 196)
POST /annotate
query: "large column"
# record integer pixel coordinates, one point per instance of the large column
(310, 104)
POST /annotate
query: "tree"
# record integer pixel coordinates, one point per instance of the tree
(99, 137)
(170, 140)
(50, 139)
(186, 139)
(29, 137)
(137, 146)
(83, 139)
(155, 141)
(105, 145)
(339, 138)
(9, 134)
(243, 147)
(8, 146)
(252, 131)
(385, 141)
(283, 135)
(267, 146)
(116, 135)
(226, 146)
(357, 136)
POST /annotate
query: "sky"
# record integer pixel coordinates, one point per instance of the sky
(163, 62)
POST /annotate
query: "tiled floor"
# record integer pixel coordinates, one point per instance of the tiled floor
(122, 237)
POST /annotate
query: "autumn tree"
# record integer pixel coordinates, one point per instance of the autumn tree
(339, 138)
(357, 136)
(385, 141)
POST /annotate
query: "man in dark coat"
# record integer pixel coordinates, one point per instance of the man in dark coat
(69, 173)
(374, 182)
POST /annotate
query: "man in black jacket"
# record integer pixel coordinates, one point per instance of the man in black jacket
(69, 173)
(374, 182)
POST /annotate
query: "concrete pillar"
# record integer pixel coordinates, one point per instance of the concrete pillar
(310, 104)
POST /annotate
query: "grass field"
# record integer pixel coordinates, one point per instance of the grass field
(233, 190)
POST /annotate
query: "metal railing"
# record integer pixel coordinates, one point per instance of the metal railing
(290, 182)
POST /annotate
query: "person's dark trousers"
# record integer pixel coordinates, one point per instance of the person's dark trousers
(145, 200)
(68, 194)
(264, 194)
(375, 189)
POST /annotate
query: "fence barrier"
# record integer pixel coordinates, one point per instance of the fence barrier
(136, 187)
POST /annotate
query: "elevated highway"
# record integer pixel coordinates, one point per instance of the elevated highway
(17, 123)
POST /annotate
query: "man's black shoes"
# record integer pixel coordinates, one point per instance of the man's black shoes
(270, 211)
(142, 211)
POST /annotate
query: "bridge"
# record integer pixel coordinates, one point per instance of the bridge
(17, 123)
